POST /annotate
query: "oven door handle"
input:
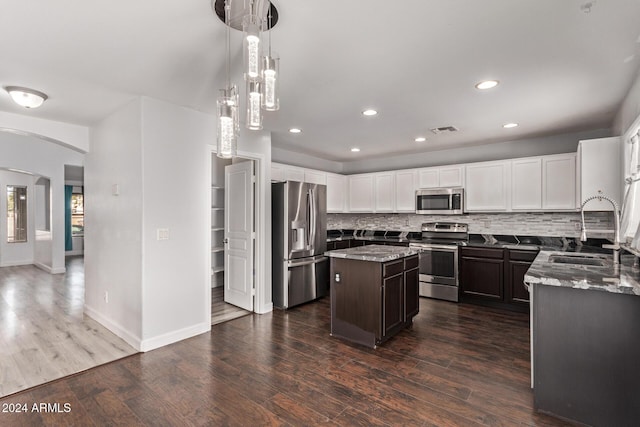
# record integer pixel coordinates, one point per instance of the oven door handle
(447, 248)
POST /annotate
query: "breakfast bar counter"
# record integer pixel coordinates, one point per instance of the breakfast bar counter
(374, 292)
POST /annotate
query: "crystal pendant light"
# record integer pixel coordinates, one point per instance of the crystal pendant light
(254, 115)
(227, 143)
(227, 108)
(251, 24)
(270, 77)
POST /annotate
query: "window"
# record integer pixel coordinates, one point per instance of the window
(16, 214)
(77, 214)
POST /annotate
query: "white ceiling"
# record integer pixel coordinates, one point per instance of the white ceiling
(560, 69)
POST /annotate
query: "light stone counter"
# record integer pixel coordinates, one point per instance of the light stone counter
(375, 253)
(620, 279)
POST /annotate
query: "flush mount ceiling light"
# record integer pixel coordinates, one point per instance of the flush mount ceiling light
(25, 97)
(509, 125)
(295, 130)
(369, 112)
(420, 139)
(355, 150)
(487, 84)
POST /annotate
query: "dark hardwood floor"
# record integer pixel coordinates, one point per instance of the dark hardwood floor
(458, 365)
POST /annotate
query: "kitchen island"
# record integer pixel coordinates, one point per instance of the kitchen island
(374, 292)
(585, 340)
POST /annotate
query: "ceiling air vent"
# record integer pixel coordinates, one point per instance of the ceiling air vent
(444, 129)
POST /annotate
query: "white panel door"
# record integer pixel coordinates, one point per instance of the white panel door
(406, 186)
(559, 182)
(384, 192)
(238, 226)
(526, 184)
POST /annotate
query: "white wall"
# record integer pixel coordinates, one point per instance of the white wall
(19, 253)
(554, 144)
(629, 110)
(159, 154)
(68, 135)
(113, 223)
(176, 183)
(44, 158)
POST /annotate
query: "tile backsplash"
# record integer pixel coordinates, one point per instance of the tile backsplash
(566, 224)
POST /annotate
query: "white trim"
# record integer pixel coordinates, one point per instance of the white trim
(49, 269)
(262, 273)
(130, 338)
(16, 263)
(174, 336)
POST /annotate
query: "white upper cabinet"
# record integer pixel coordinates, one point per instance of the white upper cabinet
(280, 172)
(277, 172)
(384, 188)
(451, 176)
(443, 176)
(526, 184)
(361, 193)
(428, 178)
(406, 186)
(487, 185)
(336, 192)
(315, 177)
(559, 182)
(599, 170)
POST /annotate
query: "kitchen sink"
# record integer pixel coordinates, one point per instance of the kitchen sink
(578, 260)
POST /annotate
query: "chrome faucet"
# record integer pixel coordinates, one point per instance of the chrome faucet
(616, 225)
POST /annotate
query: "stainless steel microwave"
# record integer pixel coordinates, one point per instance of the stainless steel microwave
(440, 201)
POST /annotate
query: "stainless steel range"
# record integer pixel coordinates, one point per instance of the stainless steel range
(439, 258)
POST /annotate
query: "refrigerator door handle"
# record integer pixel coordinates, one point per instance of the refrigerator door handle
(314, 260)
(312, 219)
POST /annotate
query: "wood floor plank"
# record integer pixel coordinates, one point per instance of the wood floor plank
(459, 365)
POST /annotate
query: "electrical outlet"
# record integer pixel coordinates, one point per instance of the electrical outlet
(106, 297)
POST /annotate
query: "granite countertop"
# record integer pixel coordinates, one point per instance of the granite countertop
(620, 279)
(375, 253)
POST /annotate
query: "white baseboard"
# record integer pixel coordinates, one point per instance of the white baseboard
(266, 308)
(114, 327)
(49, 269)
(17, 263)
(174, 336)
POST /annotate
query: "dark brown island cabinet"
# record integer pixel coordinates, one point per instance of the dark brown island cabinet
(374, 292)
(495, 276)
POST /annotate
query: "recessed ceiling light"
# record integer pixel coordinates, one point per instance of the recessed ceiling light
(295, 130)
(25, 97)
(487, 84)
(510, 125)
(369, 112)
(420, 139)
(355, 149)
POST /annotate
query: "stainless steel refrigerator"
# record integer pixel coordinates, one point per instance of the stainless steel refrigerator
(299, 241)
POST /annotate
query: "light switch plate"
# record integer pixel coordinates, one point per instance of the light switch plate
(162, 233)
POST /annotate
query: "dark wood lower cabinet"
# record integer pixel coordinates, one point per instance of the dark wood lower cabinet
(495, 276)
(372, 301)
